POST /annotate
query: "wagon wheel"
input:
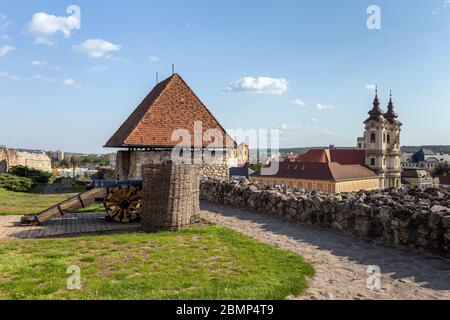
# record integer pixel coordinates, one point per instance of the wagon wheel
(123, 204)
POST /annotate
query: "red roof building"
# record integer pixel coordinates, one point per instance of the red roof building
(328, 170)
(341, 156)
(171, 105)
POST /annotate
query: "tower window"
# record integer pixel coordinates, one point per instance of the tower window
(372, 162)
(388, 138)
(373, 138)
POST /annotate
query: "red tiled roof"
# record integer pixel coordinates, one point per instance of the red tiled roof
(315, 155)
(341, 156)
(169, 106)
(348, 156)
(330, 171)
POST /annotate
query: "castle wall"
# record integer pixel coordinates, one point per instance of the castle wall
(129, 164)
(10, 158)
(417, 218)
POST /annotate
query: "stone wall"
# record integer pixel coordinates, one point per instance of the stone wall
(417, 218)
(129, 163)
(10, 158)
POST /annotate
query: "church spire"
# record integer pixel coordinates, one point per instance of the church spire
(376, 114)
(390, 115)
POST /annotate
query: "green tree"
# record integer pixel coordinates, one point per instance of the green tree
(441, 169)
(256, 166)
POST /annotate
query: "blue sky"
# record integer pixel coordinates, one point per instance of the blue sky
(69, 86)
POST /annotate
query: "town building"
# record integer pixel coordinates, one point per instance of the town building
(58, 155)
(170, 121)
(424, 159)
(412, 177)
(374, 164)
(444, 180)
(326, 170)
(381, 143)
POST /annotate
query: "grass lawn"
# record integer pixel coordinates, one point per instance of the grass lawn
(27, 203)
(200, 263)
(17, 203)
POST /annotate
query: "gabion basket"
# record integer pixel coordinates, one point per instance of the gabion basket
(170, 196)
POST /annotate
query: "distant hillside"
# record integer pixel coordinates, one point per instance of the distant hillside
(437, 149)
(300, 150)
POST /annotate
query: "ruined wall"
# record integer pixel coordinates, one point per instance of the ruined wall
(129, 163)
(10, 158)
(417, 218)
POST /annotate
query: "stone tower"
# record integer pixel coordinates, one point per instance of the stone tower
(381, 142)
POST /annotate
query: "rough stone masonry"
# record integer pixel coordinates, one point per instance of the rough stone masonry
(10, 158)
(417, 218)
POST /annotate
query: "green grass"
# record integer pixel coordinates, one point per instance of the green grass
(96, 207)
(18, 203)
(200, 263)
(27, 203)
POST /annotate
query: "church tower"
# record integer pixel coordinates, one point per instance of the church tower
(381, 142)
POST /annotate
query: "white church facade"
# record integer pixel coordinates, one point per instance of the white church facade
(381, 142)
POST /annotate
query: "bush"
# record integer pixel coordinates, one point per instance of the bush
(37, 176)
(14, 183)
(441, 169)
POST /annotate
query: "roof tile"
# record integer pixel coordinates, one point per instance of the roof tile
(171, 105)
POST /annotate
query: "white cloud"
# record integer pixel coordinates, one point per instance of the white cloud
(58, 68)
(4, 22)
(4, 50)
(314, 120)
(96, 48)
(44, 25)
(371, 87)
(309, 130)
(9, 76)
(69, 82)
(96, 69)
(260, 85)
(319, 106)
(115, 59)
(442, 7)
(153, 59)
(44, 40)
(5, 37)
(38, 63)
(39, 77)
(299, 103)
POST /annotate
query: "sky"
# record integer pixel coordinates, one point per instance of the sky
(72, 71)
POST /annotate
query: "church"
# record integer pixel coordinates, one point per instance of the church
(381, 143)
(375, 163)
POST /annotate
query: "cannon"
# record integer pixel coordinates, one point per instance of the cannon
(121, 199)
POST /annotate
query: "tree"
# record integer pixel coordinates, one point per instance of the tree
(256, 166)
(441, 169)
(75, 161)
(64, 164)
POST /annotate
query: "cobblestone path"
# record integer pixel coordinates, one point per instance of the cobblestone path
(341, 260)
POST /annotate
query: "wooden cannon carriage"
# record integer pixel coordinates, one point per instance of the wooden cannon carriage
(122, 201)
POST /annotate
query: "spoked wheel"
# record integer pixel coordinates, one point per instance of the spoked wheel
(123, 204)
